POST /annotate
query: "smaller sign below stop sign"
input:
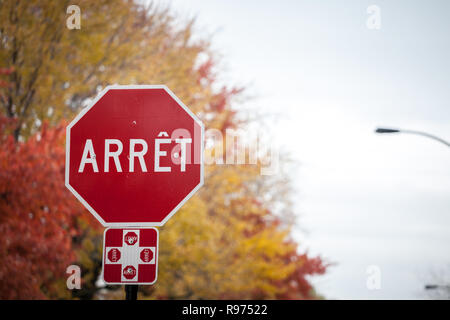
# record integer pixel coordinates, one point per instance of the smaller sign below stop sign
(130, 255)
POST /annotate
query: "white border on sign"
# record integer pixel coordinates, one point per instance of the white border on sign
(84, 202)
(156, 259)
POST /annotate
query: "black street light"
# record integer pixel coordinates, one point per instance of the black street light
(420, 133)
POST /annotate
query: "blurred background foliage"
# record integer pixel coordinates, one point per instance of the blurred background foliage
(231, 241)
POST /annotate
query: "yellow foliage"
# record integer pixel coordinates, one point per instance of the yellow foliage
(56, 69)
(206, 251)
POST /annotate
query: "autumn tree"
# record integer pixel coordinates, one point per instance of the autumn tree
(228, 241)
(39, 221)
(56, 69)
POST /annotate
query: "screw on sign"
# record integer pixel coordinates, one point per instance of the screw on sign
(134, 156)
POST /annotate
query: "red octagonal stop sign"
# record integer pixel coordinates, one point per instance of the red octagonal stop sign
(134, 156)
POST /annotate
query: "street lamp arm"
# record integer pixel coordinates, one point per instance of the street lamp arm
(420, 133)
(436, 286)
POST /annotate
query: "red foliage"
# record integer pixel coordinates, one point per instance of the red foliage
(220, 105)
(205, 72)
(4, 83)
(37, 214)
(5, 71)
(221, 100)
(297, 285)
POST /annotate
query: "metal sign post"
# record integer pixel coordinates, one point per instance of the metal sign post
(131, 291)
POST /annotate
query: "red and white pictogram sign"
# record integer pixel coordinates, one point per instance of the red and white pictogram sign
(130, 255)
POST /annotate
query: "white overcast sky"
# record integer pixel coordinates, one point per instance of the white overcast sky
(364, 199)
